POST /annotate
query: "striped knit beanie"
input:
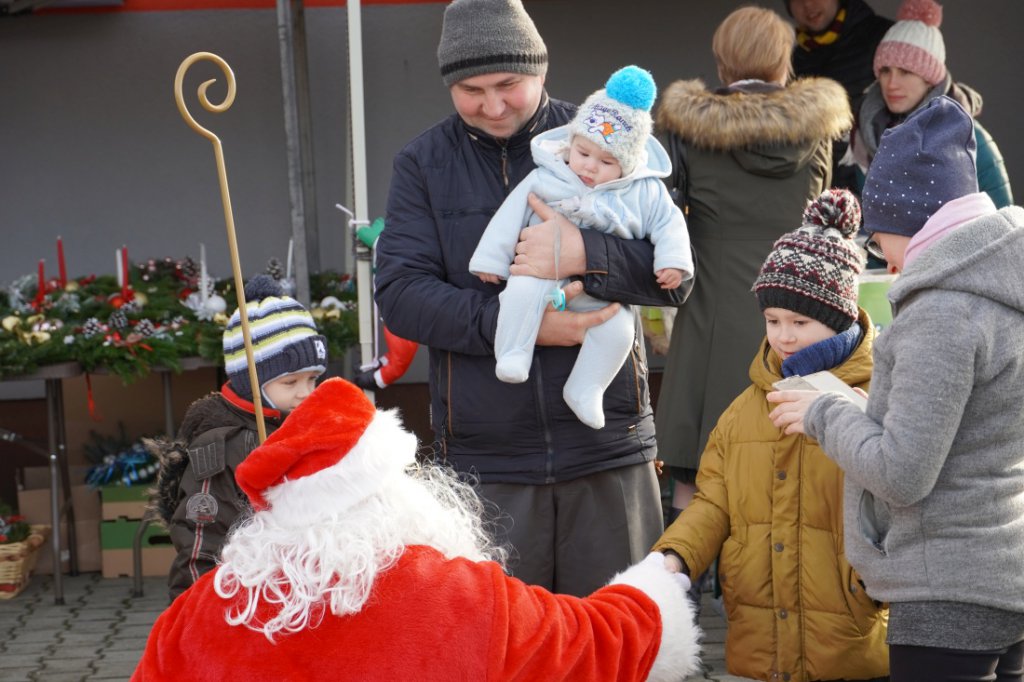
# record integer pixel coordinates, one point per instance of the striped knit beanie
(284, 337)
(914, 43)
(618, 118)
(813, 270)
(489, 36)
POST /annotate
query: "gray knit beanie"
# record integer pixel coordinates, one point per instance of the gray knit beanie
(489, 36)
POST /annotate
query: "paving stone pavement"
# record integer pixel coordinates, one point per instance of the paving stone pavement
(100, 631)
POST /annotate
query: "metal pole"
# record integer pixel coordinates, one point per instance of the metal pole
(364, 273)
(287, 28)
(165, 379)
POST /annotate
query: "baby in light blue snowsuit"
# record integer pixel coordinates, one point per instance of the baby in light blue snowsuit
(603, 171)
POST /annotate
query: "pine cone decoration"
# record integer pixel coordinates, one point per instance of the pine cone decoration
(189, 268)
(117, 320)
(130, 307)
(275, 269)
(92, 327)
(145, 327)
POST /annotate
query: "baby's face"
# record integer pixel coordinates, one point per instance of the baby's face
(789, 332)
(592, 164)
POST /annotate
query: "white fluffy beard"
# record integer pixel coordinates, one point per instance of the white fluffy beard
(331, 565)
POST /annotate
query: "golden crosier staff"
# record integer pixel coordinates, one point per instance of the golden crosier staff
(218, 152)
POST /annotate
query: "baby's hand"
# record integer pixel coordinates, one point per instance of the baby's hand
(489, 278)
(669, 278)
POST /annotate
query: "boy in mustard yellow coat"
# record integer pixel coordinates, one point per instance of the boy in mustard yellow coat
(770, 505)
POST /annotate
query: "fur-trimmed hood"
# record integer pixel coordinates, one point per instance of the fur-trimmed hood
(806, 110)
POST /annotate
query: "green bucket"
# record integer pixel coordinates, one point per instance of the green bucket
(872, 297)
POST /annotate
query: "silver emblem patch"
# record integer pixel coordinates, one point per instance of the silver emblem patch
(201, 508)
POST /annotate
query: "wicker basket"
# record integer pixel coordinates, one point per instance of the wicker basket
(17, 559)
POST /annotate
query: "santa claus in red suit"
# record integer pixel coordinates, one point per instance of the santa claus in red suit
(358, 564)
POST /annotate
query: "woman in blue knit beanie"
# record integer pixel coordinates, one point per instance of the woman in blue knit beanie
(934, 498)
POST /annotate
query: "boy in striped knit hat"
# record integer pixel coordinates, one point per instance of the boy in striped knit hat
(196, 493)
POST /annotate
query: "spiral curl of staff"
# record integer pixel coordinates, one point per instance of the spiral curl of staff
(229, 219)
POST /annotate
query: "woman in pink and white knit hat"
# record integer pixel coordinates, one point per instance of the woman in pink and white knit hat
(910, 67)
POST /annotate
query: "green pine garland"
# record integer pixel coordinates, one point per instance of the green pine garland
(79, 322)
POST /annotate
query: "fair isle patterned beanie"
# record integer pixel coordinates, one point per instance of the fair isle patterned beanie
(914, 43)
(813, 270)
(284, 337)
(921, 164)
(618, 118)
(489, 36)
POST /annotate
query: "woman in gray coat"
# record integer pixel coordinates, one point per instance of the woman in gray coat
(756, 151)
(934, 498)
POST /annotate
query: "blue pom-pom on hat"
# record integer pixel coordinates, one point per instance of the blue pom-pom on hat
(632, 86)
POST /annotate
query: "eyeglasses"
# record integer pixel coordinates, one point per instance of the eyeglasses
(873, 248)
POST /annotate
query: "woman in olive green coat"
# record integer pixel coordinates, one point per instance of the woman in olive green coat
(756, 152)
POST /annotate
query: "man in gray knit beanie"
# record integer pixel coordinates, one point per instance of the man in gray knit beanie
(488, 36)
(534, 461)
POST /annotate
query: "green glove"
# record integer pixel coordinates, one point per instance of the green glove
(368, 234)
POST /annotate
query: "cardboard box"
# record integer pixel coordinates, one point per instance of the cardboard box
(156, 561)
(34, 505)
(117, 538)
(124, 501)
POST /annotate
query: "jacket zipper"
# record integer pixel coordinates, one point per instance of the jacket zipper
(504, 165)
(549, 458)
(450, 427)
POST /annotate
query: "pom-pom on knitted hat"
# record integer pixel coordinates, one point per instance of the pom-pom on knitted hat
(284, 337)
(489, 36)
(921, 164)
(334, 450)
(618, 118)
(813, 270)
(914, 43)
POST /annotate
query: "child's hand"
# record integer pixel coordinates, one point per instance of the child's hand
(788, 415)
(669, 278)
(489, 278)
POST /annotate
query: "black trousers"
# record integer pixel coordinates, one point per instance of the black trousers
(932, 664)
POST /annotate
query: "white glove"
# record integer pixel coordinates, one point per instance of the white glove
(684, 581)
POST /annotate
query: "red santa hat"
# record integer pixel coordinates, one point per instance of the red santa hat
(332, 451)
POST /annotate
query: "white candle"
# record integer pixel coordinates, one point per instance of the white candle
(118, 267)
(288, 263)
(203, 290)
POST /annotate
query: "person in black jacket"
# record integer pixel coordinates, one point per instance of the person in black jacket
(837, 39)
(577, 504)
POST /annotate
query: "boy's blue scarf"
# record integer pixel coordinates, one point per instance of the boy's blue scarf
(825, 354)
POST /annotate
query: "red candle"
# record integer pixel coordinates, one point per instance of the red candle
(61, 264)
(124, 269)
(41, 288)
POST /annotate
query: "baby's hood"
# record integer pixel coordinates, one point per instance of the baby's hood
(551, 150)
